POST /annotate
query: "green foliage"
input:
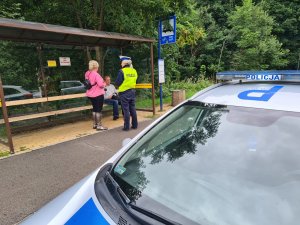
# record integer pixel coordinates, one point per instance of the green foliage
(10, 9)
(211, 36)
(4, 153)
(189, 34)
(286, 16)
(189, 86)
(257, 48)
(16, 69)
(183, 60)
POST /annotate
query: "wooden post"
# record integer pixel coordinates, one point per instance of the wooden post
(178, 96)
(5, 117)
(39, 49)
(152, 76)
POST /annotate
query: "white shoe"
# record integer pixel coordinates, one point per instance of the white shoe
(101, 128)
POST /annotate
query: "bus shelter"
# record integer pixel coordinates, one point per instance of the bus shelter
(39, 33)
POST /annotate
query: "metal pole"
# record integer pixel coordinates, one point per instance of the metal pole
(5, 117)
(298, 62)
(152, 76)
(159, 57)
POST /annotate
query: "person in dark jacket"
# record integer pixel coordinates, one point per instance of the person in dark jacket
(126, 82)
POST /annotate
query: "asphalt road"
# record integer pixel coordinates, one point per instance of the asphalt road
(30, 180)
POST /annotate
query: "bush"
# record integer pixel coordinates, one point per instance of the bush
(144, 96)
(189, 87)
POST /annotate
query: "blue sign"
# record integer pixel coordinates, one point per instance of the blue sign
(167, 31)
(265, 94)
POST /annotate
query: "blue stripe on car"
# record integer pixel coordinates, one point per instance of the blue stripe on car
(87, 214)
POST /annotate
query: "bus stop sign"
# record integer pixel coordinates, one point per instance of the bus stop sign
(167, 30)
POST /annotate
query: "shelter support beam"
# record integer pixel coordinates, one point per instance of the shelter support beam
(6, 121)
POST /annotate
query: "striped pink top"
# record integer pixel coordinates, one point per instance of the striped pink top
(98, 88)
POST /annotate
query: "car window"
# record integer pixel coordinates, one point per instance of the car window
(175, 130)
(217, 165)
(70, 84)
(10, 91)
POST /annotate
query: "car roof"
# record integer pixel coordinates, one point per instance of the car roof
(264, 95)
(11, 86)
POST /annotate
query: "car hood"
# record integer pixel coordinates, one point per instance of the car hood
(76, 205)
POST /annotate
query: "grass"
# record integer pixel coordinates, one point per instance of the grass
(147, 103)
(189, 87)
(4, 154)
(3, 132)
(24, 148)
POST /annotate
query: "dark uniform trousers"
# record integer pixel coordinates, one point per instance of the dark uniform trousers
(128, 105)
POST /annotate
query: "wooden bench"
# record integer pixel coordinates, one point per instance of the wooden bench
(45, 100)
(52, 99)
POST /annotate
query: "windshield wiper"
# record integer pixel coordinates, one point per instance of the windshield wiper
(146, 212)
(153, 215)
(117, 186)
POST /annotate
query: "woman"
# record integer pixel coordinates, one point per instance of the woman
(96, 93)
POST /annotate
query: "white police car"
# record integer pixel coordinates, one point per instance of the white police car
(230, 155)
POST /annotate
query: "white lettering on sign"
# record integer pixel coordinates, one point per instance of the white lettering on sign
(263, 77)
(64, 61)
(161, 71)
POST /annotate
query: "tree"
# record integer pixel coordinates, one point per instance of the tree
(211, 34)
(286, 16)
(212, 47)
(182, 58)
(257, 47)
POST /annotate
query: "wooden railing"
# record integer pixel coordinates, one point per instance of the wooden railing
(44, 100)
(51, 99)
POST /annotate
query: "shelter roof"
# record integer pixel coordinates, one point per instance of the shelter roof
(23, 31)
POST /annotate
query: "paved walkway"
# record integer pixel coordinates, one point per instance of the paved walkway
(27, 141)
(30, 180)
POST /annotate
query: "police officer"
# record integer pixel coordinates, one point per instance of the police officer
(126, 82)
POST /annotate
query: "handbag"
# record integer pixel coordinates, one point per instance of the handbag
(87, 84)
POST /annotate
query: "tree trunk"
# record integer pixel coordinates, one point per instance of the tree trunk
(80, 24)
(99, 58)
(98, 13)
(99, 50)
(221, 54)
(88, 54)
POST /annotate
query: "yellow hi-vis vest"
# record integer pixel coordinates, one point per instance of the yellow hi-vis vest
(130, 77)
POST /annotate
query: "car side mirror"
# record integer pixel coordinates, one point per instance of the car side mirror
(126, 141)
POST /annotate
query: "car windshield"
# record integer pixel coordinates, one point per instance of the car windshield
(217, 165)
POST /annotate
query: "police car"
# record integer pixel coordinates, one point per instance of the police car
(230, 155)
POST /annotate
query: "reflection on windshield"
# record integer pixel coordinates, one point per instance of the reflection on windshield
(187, 143)
(137, 177)
(207, 165)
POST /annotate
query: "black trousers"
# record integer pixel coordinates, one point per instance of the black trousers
(97, 103)
(128, 105)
